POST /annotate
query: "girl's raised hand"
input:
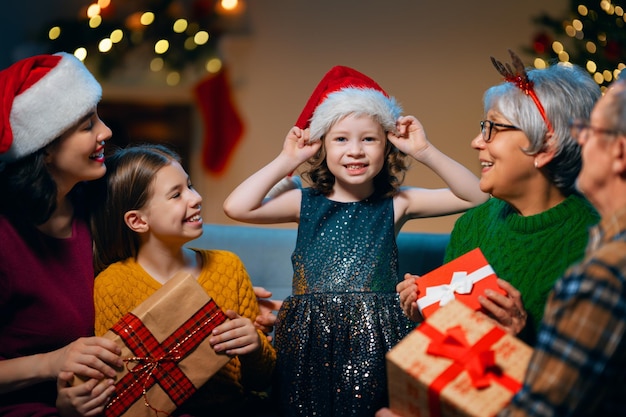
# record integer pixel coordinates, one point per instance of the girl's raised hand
(409, 137)
(237, 336)
(297, 145)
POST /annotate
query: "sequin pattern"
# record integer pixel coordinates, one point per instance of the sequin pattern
(344, 315)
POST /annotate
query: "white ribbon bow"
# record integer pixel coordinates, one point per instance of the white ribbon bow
(461, 283)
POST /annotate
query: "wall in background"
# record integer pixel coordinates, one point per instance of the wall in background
(432, 56)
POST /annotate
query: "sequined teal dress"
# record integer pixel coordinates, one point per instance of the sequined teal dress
(332, 333)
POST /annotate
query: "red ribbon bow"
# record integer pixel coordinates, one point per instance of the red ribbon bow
(147, 363)
(520, 79)
(477, 359)
(145, 368)
(476, 362)
(158, 361)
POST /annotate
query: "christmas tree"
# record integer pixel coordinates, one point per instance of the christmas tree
(591, 34)
(167, 36)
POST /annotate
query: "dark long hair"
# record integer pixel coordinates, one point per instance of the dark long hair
(29, 193)
(127, 185)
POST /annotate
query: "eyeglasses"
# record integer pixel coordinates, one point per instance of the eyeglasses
(579, 127)
(486, 127)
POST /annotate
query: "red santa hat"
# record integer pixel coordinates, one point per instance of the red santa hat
(344, 91)
(42, 97)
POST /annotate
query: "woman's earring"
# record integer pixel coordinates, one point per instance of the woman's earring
(536, 164)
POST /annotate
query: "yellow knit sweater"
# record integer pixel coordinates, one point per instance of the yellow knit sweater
(124, 285)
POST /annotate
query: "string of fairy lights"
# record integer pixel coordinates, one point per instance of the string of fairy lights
(593, 36)
(169, 35)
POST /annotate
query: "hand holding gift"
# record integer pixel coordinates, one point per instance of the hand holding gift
(456, 363)
(479, 289)
(507, 309)
(237, 336)
(166, 349)
(466, 279)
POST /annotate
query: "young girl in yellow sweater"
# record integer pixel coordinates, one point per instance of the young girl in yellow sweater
(145, 212)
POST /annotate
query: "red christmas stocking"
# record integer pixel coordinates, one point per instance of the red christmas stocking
(223, 127)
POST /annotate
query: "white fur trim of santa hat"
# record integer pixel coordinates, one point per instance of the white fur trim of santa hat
(354, 101)
(51, 106)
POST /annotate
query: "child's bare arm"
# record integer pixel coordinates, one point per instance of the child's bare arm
(247, 202)
(463, 190)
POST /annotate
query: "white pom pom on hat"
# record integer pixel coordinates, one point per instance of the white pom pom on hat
(42, 97)
(344, 91)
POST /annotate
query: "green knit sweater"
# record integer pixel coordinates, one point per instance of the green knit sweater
(530, 252)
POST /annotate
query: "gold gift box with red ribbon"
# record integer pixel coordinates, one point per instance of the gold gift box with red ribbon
(456, 363)
(165, 349)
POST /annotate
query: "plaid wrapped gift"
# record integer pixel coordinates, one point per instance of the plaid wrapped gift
(456, 363)
(464, 279)
(165, 349)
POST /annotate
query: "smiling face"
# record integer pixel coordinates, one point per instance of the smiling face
(355, 154)
(78, 155)
(173, 211)
(506, 170)
(600, 150)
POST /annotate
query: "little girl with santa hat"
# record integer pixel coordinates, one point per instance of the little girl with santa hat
(332, 333)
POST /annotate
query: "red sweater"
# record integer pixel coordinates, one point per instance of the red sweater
(46, 302)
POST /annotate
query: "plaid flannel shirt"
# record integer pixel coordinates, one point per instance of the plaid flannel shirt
(579, 364)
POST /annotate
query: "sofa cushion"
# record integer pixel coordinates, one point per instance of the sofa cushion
(266, 252)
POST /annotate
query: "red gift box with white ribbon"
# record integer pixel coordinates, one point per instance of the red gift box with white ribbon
(464, 278)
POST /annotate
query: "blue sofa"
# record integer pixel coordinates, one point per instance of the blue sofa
(266, 252)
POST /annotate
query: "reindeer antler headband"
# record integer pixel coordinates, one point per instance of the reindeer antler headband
(520, 79)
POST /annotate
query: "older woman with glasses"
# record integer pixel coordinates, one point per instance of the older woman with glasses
(535, 225)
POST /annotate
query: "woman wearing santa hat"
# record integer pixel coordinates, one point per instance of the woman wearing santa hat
(51, 142)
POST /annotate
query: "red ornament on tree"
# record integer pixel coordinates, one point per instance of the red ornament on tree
(203, 8)
(612, 51)
(541, 43)
(108, 11)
